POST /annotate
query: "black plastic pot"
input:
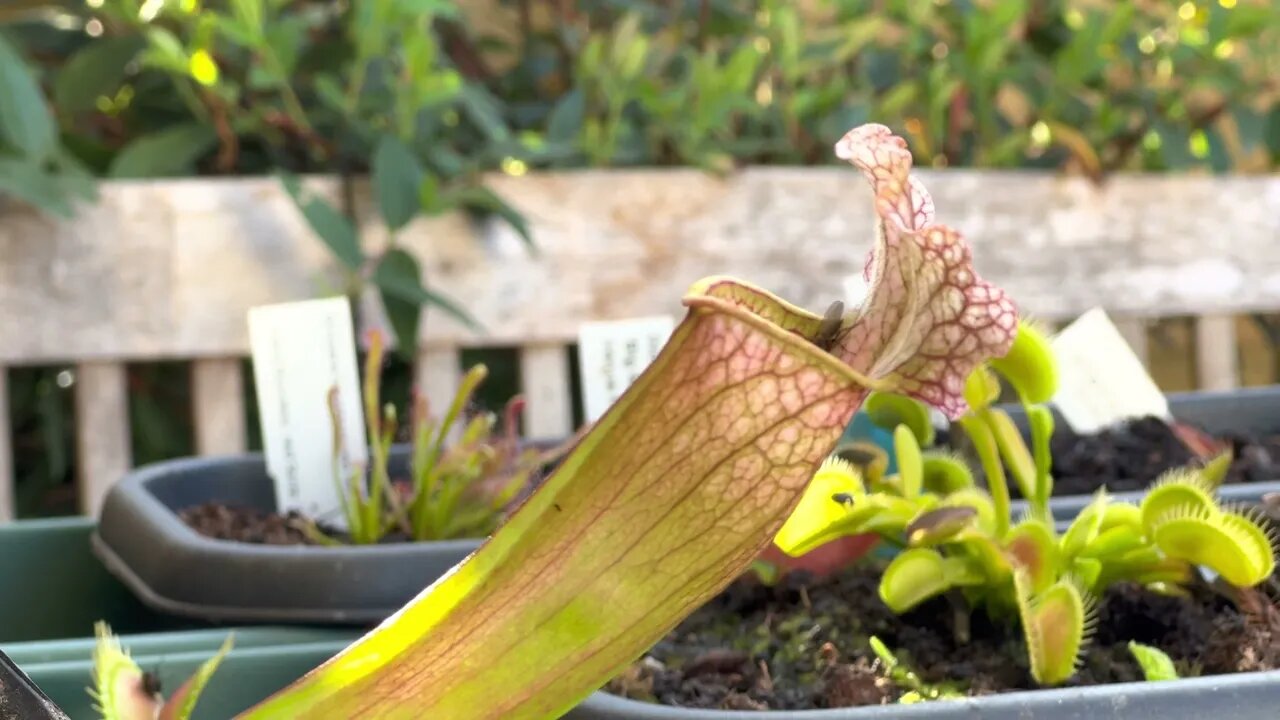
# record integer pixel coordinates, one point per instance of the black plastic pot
(172, 568)
(20, 699)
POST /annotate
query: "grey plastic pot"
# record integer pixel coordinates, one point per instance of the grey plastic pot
(1254, 411)
(1242, 696)
(1247, 696)
(172, 568)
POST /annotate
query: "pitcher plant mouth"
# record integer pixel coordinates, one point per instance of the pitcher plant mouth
(681, 484)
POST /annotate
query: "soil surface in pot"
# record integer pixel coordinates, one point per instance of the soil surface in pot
(803, 645)
(1130, 456)
(252, 525)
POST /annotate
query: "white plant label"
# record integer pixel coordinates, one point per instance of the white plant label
(1100, 380)
(300, 351)
(612, 354)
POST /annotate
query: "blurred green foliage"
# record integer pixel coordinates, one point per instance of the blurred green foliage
(426, 96)
(1094, 87)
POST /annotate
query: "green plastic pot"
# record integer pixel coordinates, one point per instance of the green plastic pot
(54, 588)
(263, 661)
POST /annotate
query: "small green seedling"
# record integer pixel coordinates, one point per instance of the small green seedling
(961, 541)
(122, 691)
(905, 677)
(1155, 664)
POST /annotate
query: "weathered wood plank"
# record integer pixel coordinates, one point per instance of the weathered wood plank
(544, 381)
(170, 268)
(438, 374)
(102, 430)
(8, 508)
(1217, 357)
(217, 398)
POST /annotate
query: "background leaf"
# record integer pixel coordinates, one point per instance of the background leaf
(399, 276)
(168, 153)
(28, 181)
(565, 122)
(334, 229)
(404, 316)
(397, 181)
(25, 120)
(484, 201)
(96, 69)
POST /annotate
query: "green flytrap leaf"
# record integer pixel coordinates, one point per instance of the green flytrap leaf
(910, 463)
(1155, 664)
(679, 486)
(918, 574)
(1177, 489)
(868, 458)
(1017, 458)
(1056, 623)
(1032, 549)
(889, 411)
(836, 485)
(1230, 544)
(120, 690)
(945, 473)
(1029, 365)
(940, 525)
(1040, 418)
(1085, 528)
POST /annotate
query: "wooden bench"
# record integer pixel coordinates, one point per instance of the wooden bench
(168, 270)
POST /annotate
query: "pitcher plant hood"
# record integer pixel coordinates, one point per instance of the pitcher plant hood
(681, 484)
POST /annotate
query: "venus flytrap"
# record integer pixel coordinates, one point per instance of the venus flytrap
(681, 484)
(962, 542)
(122, 691)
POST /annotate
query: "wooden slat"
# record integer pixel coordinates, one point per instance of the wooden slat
(438, 374)
(1134, 331)
(1217, 366)
(217, 390)
(8, 511)
(102, 430)
(170, 268)
(544, 381)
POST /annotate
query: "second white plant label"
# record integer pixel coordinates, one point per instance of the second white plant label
(612, 354)
(1100, 380)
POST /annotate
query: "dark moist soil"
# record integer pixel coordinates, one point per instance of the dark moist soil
(1132, 455)
(251, 525)
(803, 645)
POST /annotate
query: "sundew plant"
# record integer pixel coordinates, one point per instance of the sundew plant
(456, 489)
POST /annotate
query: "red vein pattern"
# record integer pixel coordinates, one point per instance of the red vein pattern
(928, 319)
(682, 483)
